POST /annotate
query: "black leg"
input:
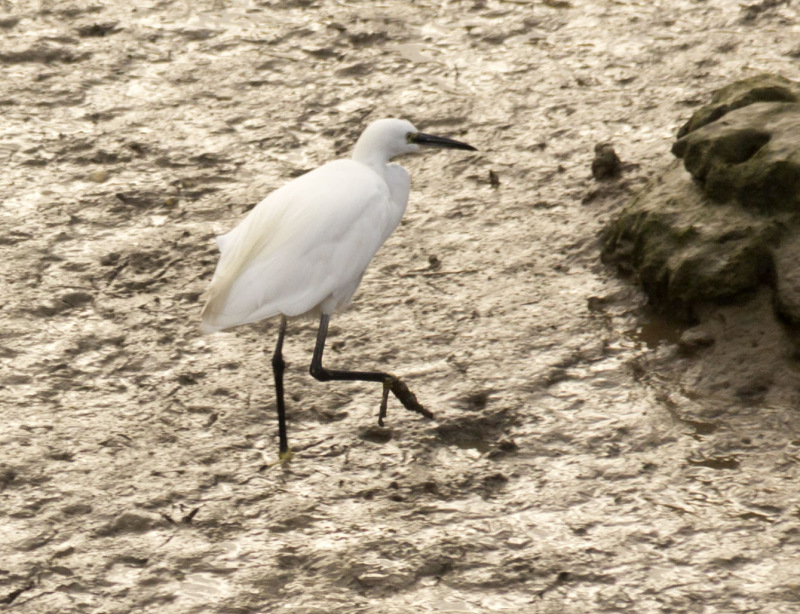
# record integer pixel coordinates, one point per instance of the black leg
(278, 367)
(391, 383)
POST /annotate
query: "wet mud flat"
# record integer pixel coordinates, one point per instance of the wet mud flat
(578, 461)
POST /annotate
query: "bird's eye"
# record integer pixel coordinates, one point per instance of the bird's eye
(411, 137)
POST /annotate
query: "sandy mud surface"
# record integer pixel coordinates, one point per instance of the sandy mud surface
(578, 463)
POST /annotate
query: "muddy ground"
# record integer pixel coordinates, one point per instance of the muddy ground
(580, 461)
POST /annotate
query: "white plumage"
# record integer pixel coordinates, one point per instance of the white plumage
(304, 248)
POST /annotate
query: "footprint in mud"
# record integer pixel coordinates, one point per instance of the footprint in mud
(139, 200)
(131, 522)
(477, 429)
(136, 271)
(43, 54)
(94, 30)
(66, 302)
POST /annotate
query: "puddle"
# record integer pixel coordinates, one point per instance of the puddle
(654, 330)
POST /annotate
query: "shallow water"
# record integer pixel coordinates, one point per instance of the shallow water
(576, 463)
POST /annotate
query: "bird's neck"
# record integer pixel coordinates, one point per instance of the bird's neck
(376, 162)
(375, 157)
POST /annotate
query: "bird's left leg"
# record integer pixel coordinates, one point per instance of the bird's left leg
(278, 367)
(391, 383)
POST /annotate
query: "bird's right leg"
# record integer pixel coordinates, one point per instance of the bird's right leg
(278, 367)
(391, 383)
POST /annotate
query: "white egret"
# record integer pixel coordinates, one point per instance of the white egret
(303, 250)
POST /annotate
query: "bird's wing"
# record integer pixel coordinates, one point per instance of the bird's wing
(302, 244)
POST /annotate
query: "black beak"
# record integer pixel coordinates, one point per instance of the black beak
(442, 142)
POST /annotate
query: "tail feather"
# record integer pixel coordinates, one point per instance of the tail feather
(214, 308)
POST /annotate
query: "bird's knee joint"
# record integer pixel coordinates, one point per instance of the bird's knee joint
(278, 364)
(318, 373)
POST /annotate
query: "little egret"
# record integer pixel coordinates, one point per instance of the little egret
(303, 250)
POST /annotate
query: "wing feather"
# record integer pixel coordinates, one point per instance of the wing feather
(306, 243)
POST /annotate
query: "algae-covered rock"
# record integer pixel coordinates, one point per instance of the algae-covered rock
(751, 155)
(606, 163)
(787, 279)
(684, 251)
(732, 222)
(760, 88)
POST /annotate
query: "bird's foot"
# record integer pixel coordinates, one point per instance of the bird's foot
(283, 458)
(404, 395)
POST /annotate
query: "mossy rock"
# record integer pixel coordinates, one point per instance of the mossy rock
(732, 222)
(787, 280)
(751, 155)
(684, 251)
(761, 88)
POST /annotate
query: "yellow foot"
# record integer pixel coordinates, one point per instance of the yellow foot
(284, 457)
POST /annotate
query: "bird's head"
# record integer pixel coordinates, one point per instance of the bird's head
(385, 139)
